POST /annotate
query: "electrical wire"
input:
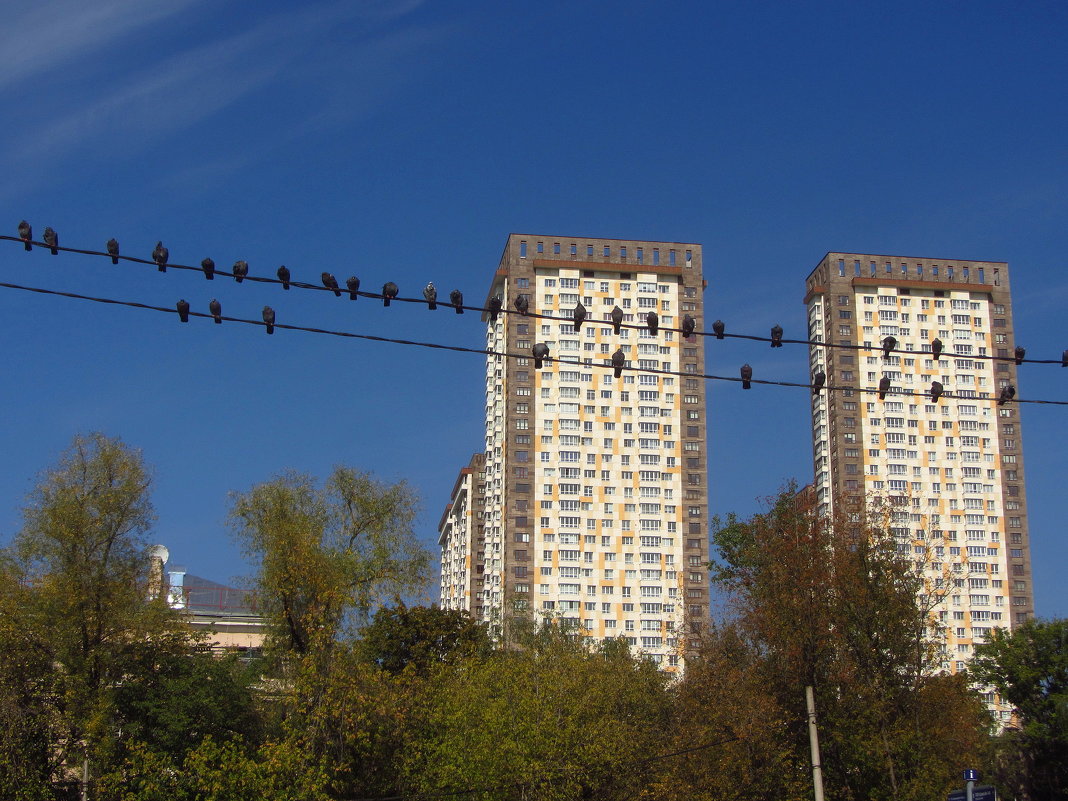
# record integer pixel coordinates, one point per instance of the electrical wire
(902, 391)
(505, 310)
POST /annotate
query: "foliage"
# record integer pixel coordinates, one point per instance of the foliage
(419, 637)
(829, 603)
(327, 556)
(1029, 668)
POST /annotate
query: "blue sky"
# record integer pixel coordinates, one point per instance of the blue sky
(404, 140)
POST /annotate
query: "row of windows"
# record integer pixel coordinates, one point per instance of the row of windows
(606, 251)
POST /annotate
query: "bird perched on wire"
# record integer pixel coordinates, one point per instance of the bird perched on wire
(284, 276)
(936, 348)
(26, 234)
(268, 319)
(353, 284)
(331, 283)
(208, 266)
(884, 387)
(579, 316)
(889, 343)
(216, 311)
(430, 295)
(619, 359)
(495, 305)
(389, 291)
(1064, 359)
(747, 376)
(240, 270)
(183, 310)
(689, 325)
(541, 353)
(1007, 394)
(617, 319)
(51, 238)
(776, 336)
(1018, 354)
(161, 255)
(456, 298)
(522, 304)
(936, 391)
(818, 380)
(718, 328)
(113, 250)
(652, 320)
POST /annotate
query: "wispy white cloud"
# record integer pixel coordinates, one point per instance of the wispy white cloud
(40, 36)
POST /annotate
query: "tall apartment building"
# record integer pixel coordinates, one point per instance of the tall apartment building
(953, 470)
(461, 537)
(594, 487)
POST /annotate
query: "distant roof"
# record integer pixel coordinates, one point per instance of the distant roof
(205, 595)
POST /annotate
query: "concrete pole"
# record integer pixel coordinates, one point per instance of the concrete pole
(814, 743)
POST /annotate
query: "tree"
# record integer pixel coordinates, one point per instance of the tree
(327, 556)
(831, 604)
(420, 637)
(76, 601)
(1029, 668)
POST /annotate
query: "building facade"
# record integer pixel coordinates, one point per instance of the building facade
(595, 487)
(952, 470)
(461, 538)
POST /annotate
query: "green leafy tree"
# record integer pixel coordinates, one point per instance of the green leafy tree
(76, 603)
(831, 604)
(327, 555)
(1029, 668)
(420, 637)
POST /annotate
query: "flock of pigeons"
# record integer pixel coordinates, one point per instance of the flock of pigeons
(161, 256)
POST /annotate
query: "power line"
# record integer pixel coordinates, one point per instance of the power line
(244, 276)
(576, 361)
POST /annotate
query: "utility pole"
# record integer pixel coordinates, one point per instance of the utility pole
(814, 743)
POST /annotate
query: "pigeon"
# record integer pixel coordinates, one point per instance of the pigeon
(541, 353)
(818, 380)
(1064, 359)
(268, 318)
(747, 376)
(331, 283)
(1018, 354)
(216, 311)
(936, 390)
(430, 293)
(456, 298)
(718, 328)
(240, 270)
(619, 358)
(389, 291)
(208, 266)
(113, 250)
(776, 336)
(617, 318)
(580, 316)
(26, 234)
(936, 348)
(494, 307)
(283, 276)
(889, 343)
(689, 325)
(353, 283)
(522, 304)
(1007, 394)
(884, 387)
(160, 255)
(183, 310)
(652, 319)
(51, 238)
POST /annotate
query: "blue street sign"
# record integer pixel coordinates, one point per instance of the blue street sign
(971, 775)
(981, 793)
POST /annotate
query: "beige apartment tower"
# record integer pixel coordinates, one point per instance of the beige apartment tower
(952, 470)
(592, 497)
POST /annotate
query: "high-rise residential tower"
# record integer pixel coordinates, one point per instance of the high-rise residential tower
(594, 487)
(952, 469)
